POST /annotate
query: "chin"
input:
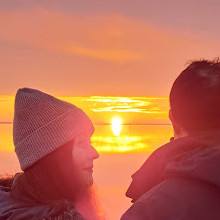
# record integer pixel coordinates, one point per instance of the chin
(88, 181)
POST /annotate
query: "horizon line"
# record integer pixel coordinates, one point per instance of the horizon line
(8, 122)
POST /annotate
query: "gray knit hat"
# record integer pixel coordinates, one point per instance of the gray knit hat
(43, 123)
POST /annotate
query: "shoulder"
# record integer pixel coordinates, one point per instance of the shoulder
(176, 198)
(150, 204)
(64, 210)
(6, 183)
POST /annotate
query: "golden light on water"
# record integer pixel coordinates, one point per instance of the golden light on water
(132, 138)
(116, 126)
(118, 144)
(135, 136)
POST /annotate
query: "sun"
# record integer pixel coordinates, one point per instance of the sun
(116, 126)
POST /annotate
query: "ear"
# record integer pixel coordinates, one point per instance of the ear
(171, 115)
(174, 128)
(175, 125)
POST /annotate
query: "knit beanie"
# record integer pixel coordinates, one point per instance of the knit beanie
(43, 123)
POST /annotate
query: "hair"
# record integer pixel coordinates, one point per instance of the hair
(195, 96)
(6, 180)
(53, 177)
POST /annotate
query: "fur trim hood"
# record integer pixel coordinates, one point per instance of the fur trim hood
(19, 210)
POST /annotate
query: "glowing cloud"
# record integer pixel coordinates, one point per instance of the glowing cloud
(127, 104)
(113, 55)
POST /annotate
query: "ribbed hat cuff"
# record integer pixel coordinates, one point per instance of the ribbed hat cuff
(52, 136)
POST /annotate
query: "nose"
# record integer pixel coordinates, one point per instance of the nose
(93, 153)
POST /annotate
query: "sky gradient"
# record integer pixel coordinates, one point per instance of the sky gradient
(107, 48)
(110, 58)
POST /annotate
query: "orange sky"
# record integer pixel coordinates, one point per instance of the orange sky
(139, 111)
(120, 48)
(101, 109)
(109, 58)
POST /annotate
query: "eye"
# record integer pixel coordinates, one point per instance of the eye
(84, 142)
(81, 142)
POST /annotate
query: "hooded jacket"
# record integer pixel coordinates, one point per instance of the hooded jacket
(179, 181)
(25, 209)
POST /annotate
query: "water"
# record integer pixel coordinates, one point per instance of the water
(120, 157)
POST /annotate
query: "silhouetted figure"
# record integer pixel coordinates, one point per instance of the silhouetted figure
(181, 180)
(52, 143)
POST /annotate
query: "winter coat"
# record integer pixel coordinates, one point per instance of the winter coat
(179, 181)
(25, 209)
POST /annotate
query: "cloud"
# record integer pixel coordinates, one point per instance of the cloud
(113, 55)
(93, 37)
(128, 104)
(111, 37)
(118, 55)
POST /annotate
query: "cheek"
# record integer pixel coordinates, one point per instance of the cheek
(78, 155)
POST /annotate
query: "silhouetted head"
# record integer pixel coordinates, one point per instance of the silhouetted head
(195, 98)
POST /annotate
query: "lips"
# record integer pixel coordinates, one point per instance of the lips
(89, 169)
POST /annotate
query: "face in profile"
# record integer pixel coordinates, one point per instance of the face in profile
(84, 154)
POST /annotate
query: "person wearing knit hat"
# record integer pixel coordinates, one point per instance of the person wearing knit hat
(52, 143)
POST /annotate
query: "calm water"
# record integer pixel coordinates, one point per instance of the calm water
(120, 157)
(132, 138)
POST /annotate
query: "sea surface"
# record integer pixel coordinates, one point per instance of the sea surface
(120, 157)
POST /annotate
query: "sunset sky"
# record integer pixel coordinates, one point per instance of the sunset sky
(115, 58)
(103, 48)
(101, 109)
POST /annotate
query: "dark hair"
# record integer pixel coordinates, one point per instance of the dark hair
(195, 96)
(54, 177)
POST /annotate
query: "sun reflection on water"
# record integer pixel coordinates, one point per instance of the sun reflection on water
(132, 139)
(116, 126)
(118, 144)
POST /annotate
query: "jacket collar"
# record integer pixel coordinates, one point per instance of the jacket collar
(152, 171)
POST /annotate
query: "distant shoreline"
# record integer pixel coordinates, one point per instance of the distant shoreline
(5, 122)
(8, 122)
(135, 124)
